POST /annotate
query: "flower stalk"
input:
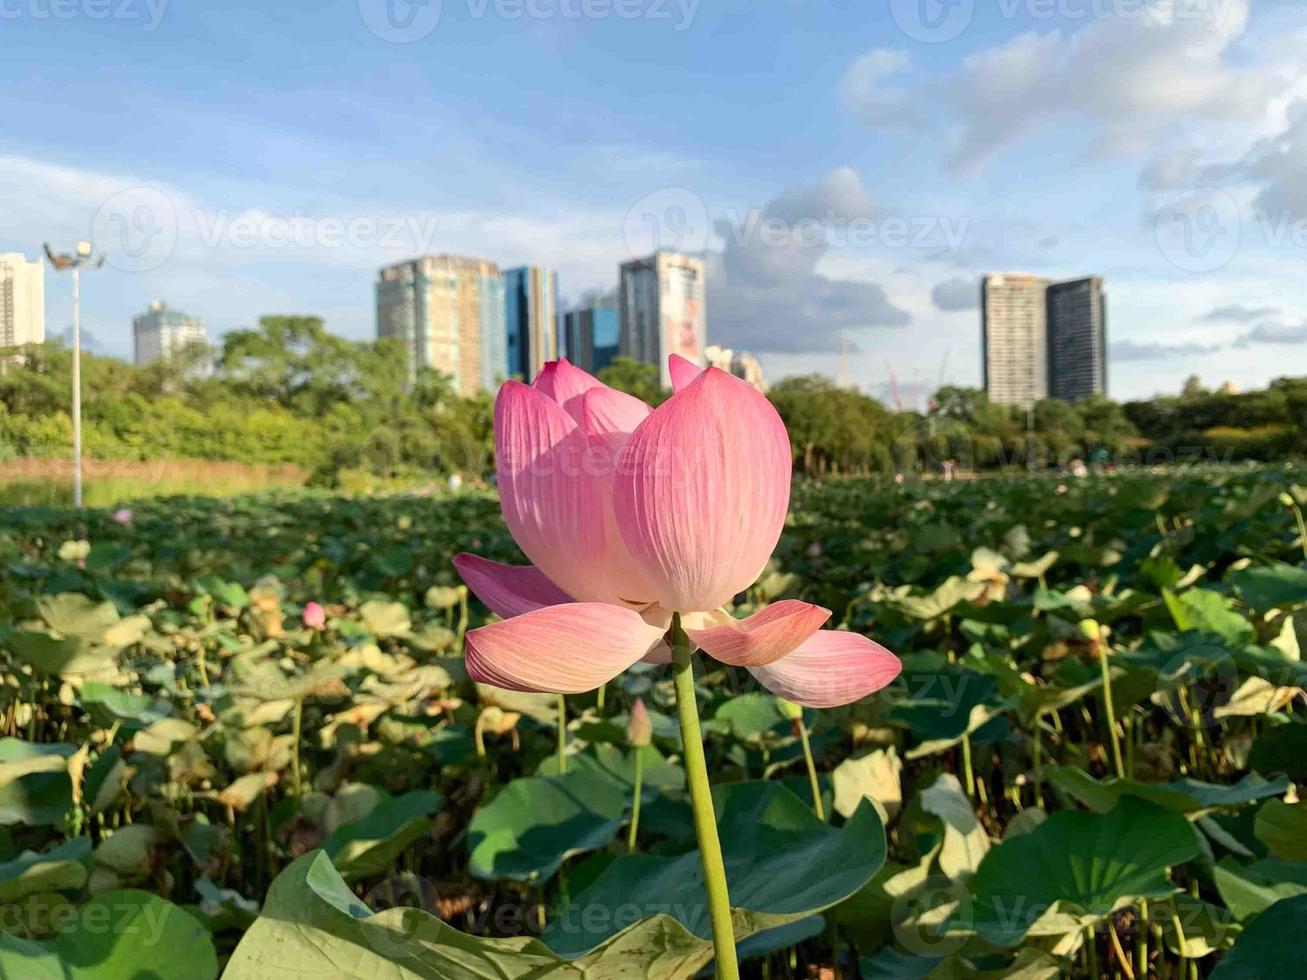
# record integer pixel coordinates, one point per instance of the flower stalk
(705, 820)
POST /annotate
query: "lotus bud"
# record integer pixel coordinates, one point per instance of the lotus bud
(315, 617)
(639, 730)
(122, 515)
(789, 710)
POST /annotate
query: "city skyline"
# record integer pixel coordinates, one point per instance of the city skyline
(894, 166)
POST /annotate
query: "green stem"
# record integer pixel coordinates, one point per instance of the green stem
(296, 723)
(635, 800)
(1091, 952)
(1109, 709)
(1039, 763)
(599, 699)
(1141, 942)
(1302, 528)
(705, 821)
(562, 734)
(812, 769)
(968, 777)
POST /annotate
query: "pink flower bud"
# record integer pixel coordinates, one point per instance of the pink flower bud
(639, 730)
(315, 617)
(122, 515)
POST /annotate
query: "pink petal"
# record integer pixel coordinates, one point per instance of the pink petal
(565, 649)
(508, 590)
(764, 637)
(552, 505)
(682, 371)
(565, 383)
(701, 491)
(830, 668)
(606, 411)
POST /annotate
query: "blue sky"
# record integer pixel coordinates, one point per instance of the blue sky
(849, 168)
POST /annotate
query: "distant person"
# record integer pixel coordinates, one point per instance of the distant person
(949, 467)
(455, 481)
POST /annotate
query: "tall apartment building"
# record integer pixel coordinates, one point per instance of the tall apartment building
(1077, 339)
(161, 332)
(1014, 329)
(449, 312)
(591, 334)
(531, 318)
(661, 302)
(22, 300)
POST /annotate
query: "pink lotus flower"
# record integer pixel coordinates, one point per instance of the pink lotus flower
(315, 617)
(122, 515)
(630, 514)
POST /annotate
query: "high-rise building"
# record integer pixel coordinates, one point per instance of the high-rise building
(591, 334)
(531, 318)
(161, 332)
(741, 363)
(1014, 335)
(22, 300)
(449, 312)
(661, 301)
(1077, 339)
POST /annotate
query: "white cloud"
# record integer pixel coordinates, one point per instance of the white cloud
(864, 93)
(1238, 313)
(1130, 350)
(1273, 333)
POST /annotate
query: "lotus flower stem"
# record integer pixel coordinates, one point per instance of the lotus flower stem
(969, 777)
(599, 699)
(812, 767)
(1122, 960)
(1039, 762)
(635, 800)
(1091, 951)
(1141, 940)
(296, 724)
(562, 734)
(705, 821)
(1109, 710)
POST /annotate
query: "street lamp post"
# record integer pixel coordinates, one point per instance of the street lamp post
(82, 257)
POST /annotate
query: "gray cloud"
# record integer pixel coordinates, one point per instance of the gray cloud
(768, 296)
(1273, 333)
(953, 295)
(1237, 313)
(1129, 350)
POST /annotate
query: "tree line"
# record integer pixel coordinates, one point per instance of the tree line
(290, 392)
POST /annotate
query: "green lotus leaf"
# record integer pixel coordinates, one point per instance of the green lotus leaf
(312, 924)
(536, 823)
(59, 868)
(1266, 587)
(35, 788)
(782, 864)
(1271, 945)
(1248, 889)
(1282, 827)
(1183, 795)
(371, 844)
(1080, 864)
(116, 935)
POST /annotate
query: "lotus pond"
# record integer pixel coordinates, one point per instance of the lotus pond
(237, 737)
